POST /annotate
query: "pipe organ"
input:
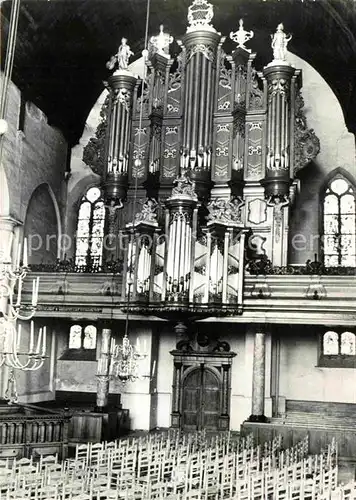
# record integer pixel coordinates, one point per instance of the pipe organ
(207, 144)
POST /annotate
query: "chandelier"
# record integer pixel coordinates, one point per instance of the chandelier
(123, 361)
(13, 353)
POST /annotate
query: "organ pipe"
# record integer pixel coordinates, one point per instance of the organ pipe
(278, 176)
(115, 185)
(200, 74)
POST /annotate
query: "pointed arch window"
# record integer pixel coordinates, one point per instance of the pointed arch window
(90, 230)
(339, 223)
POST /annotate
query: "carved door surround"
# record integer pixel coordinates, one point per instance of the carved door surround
(205, 364)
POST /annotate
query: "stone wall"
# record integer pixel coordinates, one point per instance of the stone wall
(337, 150)
(33, 156)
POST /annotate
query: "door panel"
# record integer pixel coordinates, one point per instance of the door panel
(201, 400)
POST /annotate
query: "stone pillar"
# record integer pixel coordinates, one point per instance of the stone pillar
(103, 378)
(258, 379)
(177, 380)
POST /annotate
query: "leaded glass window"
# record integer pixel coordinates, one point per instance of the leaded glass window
(339, 216)
(89, 341)
(81, 336)
(75, 337)
(338, 349)
(347, 344)
(330, 343)
(90, 229)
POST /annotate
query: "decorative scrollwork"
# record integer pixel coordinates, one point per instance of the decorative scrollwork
(306, 143)
(278, 86)
(256, 94)
(262, 265)
(69, 266)
(200, 14)
(206, 50)
(225, 211)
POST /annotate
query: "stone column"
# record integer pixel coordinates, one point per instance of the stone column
(258, 379)
(103, 378)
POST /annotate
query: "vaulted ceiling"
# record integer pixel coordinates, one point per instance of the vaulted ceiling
(63, 45)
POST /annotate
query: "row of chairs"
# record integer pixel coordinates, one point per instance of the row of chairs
(147, 469)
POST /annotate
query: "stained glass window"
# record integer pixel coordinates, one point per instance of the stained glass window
(90, 229)
(339, 223)
(81, 336)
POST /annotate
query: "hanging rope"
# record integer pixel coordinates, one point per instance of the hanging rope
(9, 63)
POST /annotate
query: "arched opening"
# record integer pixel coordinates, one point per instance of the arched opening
(42, 227)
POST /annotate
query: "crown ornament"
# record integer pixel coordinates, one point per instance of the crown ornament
(241, 36)
(200, 14)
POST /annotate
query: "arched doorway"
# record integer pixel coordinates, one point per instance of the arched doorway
(201, 400)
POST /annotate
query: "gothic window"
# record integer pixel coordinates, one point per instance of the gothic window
(338, 349)
(90, 229)
(339, 221)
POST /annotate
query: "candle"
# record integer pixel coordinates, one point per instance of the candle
(36, 288)
(19, 290)
(33, 302)
(18, 338)
(44, 342)
(154, 368)
(32, 334)
(18, 256)
(25, 259)
(39, 340)
(10, 247)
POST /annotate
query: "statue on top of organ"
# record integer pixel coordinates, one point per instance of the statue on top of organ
(211, 138)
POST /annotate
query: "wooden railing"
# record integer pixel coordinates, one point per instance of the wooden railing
(296, 298)
(30, 435)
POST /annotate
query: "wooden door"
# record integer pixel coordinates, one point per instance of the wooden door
(201, 400)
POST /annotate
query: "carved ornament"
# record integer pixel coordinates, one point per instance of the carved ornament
(184, 187)
(148, 213)
(227, 212)
(206, 50)
(306, 143)
(159, 44)
(241, 36)
(200, 14)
